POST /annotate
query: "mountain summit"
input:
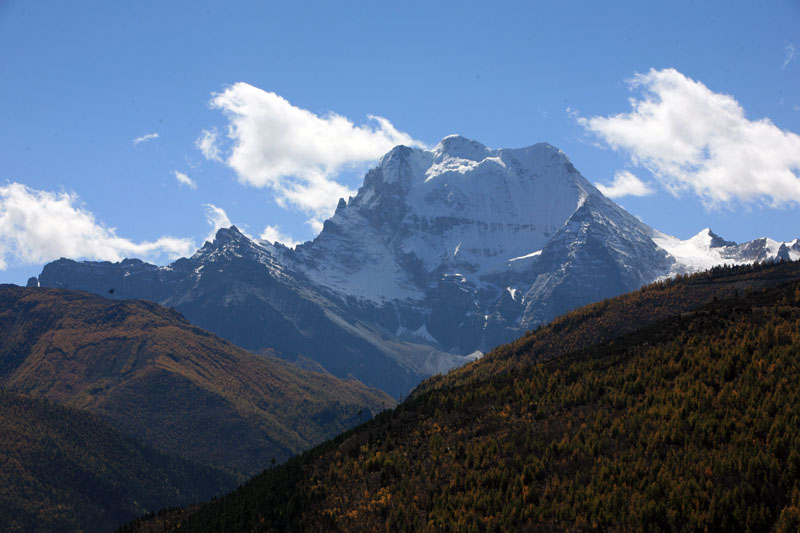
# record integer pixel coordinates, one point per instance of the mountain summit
(442, 254)
(470, 245)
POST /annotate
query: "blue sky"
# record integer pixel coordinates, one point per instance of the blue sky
(712, 137)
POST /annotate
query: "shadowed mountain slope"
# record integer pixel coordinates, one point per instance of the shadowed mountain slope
(606, 320)
(239, 290)
(66, 470)
(144, 369)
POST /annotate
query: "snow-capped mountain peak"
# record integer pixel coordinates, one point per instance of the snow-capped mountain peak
(466, 223)
(458, 147)
(227, 241)
(707, 249)
(459, 208)
(454, 249)
(707, 239)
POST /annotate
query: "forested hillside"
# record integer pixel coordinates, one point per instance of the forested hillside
(614, 317)
(690, 420)
(66, 470)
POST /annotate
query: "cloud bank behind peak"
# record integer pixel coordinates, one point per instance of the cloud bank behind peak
(295, 153)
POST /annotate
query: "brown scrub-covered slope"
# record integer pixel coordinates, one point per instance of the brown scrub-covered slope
(152, 375)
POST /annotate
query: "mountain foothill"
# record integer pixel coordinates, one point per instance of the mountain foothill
(134, 370)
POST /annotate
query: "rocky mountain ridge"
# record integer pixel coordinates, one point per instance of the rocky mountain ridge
(441, 255)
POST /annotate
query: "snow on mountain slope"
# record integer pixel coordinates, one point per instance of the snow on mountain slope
(365, 269)
(471, 245)
(706, 250)
(441, 253)
(600, 251)
(459, 209)
(465, 247)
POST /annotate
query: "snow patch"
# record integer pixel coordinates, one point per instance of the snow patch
(526, 256)
(419, 333)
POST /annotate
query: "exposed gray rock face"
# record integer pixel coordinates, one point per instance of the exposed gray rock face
(235, 288)
(441, 254)
(469, 247)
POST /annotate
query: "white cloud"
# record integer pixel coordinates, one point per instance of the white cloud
(790, 52)
(625, 184)
(292, 151)
(39, 226)
(145, 138)
(693, 139)
(184, 179)
(217, 218)
(274, 234)
(207, 144)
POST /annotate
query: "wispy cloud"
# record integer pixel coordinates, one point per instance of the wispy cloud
(274, 234)
(183, 179)
(292, 151)
(39, 226)
(625, 184)
(693, 139)
(790, 53)
(207, 143)
(145, 138)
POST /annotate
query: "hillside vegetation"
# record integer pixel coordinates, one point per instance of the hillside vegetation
(688, 420)
(614, 317)
(144, 369)
(66, 470)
